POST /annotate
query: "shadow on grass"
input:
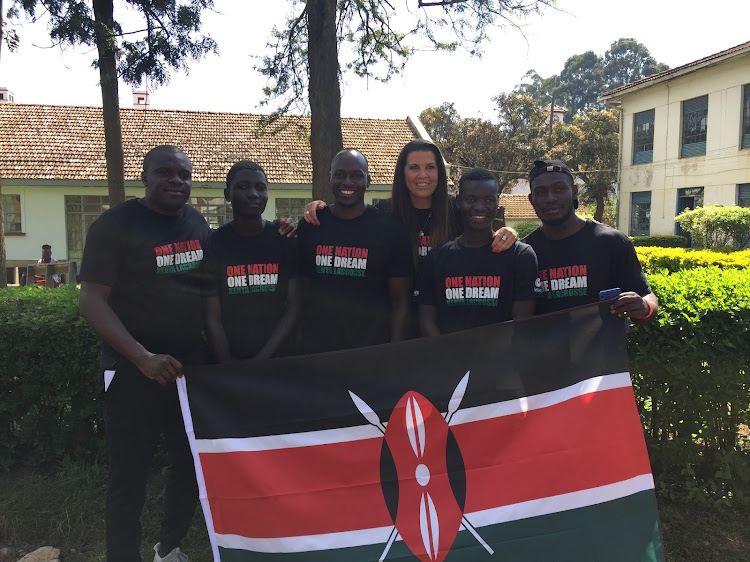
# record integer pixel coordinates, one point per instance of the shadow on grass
(66, 510)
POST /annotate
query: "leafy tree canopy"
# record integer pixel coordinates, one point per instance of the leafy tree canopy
(590, 145)
(508, 146)
(586, 76)
(165, 35)
(376, 39)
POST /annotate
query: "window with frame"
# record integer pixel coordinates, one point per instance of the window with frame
(216, 210)
(643, 137)
(743, 195)
(640, 213)
(80, 212)
(290, 207)
(745, 141)
(12, 213)
(694, 127)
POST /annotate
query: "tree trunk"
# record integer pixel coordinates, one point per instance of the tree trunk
(599, 212)
(324, 91)
(3, 272)
(105, 43)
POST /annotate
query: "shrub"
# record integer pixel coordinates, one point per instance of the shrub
(48, 381)
(525, 228)
(692, 382)
(655, 260)
(716, 226)
(661, 241)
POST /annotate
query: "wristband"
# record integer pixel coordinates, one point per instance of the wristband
(650, 310)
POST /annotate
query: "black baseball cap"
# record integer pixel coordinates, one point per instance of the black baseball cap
(545, 166)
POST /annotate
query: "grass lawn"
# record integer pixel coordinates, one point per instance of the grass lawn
(66, 511)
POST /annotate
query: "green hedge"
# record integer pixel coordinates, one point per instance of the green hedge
(692, 382)
(49, 407)
(655, 260)
(663, 241)
(524, 228)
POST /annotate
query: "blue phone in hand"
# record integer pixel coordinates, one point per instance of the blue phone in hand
(607, 294)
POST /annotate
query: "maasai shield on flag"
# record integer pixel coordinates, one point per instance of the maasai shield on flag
(517, 441)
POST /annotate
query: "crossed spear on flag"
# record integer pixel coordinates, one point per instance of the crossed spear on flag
(416, 432)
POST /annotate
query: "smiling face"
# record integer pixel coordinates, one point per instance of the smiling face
(477, 203)
(349, 179)
(421, 177)
(168, 179)
(552, 196)
(248, 194)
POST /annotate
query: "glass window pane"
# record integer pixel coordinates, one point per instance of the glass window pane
(643, 137)
(216, 210)
(694, 126)
(290, 207)
(12, 213)
(640, 213)
(743, 195)
(745, 143)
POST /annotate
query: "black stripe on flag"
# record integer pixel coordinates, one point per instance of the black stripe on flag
(308, 393)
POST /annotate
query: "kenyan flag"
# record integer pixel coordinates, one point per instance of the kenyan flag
(517, 441)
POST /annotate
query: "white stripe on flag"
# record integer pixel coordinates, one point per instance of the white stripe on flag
(540, 401)
(467, 415)
(494, 516)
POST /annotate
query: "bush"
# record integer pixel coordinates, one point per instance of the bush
(716, 226)
(661, 241)
(692, 382)
(525, 228)
(655, 260)
(48, 381)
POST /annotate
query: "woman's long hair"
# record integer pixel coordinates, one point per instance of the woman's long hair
(442, 221)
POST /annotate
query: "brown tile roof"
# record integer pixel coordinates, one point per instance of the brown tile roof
(517, 207)
(67, 142)
(677, 70)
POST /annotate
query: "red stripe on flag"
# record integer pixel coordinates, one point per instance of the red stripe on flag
(590, 441)
(292, 492)
(582, 443)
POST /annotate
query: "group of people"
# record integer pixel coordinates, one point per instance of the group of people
(162, 290)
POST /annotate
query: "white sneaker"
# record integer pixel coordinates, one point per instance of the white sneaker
(175, 556)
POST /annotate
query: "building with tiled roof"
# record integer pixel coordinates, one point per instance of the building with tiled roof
(54, 172)
(685, 141)
(517, 208)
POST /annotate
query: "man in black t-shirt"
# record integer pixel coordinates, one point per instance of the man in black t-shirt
(250, 296)
(356, 267)
(579, 257)
(464, 284)
(140, 292)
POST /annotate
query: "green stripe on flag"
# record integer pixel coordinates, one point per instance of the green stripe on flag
(625, 529)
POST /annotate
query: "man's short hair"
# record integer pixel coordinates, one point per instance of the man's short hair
(46, 247)
(161, 148)
(476, 174)
(244, 165)
(548, 166)
(352, 149)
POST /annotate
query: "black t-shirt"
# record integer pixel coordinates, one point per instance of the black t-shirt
(573, 270)
(151, 261)
(475, 286)
(424, 223)
(250, 274)
(348, 264)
